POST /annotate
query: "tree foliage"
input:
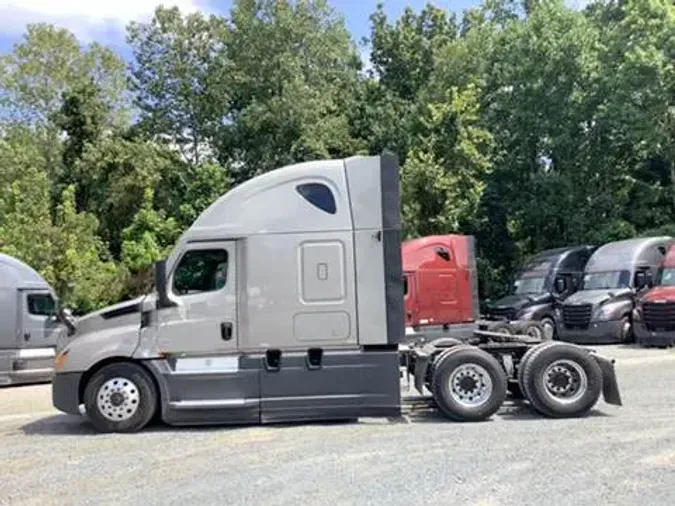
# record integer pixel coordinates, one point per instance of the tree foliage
(525, 123)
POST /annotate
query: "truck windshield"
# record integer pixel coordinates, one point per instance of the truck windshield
(606, 280)
(667, 277)
(530, 285)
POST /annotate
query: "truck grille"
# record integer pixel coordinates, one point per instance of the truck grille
(659, 316)
(503, 312)
(577, 317)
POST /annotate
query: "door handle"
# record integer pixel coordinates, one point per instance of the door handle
(226, 330)
(26, 336)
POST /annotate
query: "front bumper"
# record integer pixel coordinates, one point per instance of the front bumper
(599, 332)
(66, 392)
(645, 337)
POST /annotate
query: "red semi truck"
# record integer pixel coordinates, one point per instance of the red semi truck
(440, 287)
(440, 282)
(654, 314)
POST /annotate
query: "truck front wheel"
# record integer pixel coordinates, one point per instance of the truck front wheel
(120, 397)
(468, 384)
(560, 380)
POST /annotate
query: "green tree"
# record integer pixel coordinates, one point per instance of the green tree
(179, 77)
(47, 63)
(443, 177)
(294, 67)
(83, 273)
(113, 176)
(403, 54)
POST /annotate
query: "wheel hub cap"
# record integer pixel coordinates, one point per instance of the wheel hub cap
(565, 380)
(118, 399)
(470, 385)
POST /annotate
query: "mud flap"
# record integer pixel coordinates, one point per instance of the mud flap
(610, 387)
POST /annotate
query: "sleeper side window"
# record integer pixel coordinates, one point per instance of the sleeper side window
(41, 304)
(201, 271)
(319, 195)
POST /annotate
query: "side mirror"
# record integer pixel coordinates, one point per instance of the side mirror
(640, 280)
(163, 299)
(443, 253)
(560, 285)
(65, 316)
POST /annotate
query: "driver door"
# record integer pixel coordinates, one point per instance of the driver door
(203, 284)
(39, 326)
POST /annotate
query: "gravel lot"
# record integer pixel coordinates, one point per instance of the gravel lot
(617, 455)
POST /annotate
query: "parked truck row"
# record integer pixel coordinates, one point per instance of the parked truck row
(619, 292)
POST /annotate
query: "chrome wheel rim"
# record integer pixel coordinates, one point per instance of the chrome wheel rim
(470, 385)
(565, 381)
(118, 399)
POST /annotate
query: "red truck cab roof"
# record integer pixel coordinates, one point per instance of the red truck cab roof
(441, 284)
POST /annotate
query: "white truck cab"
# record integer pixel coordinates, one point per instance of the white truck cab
(284, 302)
(29, 326)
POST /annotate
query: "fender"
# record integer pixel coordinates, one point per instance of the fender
(610, 385)
(87, 350)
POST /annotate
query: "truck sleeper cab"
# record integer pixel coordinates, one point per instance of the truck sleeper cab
(261, 315)
(535, 292)
(29, 326)
(654, 314)
(601, 311)
(283, 301)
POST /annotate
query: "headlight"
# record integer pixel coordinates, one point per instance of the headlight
(602, 313)
(60, 360)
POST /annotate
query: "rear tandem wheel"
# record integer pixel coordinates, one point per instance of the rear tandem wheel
(468, 384)
(559, 379)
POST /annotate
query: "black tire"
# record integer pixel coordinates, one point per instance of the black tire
(448, 400)
(501, 328)
(532, 329)
(539, 392)
(526, 358)
(138, 390)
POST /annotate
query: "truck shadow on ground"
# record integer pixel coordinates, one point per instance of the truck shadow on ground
(72, 425)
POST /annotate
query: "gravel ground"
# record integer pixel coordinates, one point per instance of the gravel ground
(617, 455)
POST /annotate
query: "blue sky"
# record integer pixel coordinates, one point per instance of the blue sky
(105, 20)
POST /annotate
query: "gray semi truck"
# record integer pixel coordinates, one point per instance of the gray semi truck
(29, 326)
(615, 275)
(535, 293)
(284, 302)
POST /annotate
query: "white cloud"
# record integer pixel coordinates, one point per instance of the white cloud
(86, 18)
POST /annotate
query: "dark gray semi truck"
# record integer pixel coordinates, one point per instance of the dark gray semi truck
(536, 292)
(616, 274)
(284, 302)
